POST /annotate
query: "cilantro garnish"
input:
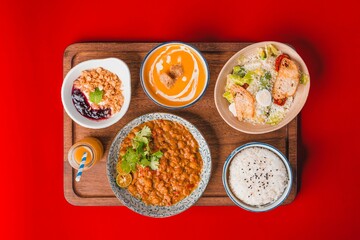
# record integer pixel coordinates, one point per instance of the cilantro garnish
(139, 153)
(96, 96)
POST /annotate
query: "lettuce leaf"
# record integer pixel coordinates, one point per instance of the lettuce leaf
(239, 70)
(275, 117)
(248, 77)
(228, 96)
(304, 78)
(272, 50)
(262, 54)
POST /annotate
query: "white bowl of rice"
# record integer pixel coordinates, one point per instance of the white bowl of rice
(257, 177)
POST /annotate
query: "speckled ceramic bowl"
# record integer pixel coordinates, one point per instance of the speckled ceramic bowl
(137, 205)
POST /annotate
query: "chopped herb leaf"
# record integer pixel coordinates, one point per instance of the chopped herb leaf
(96, 96)
(139, 153)
(144, 162)
(154, 165)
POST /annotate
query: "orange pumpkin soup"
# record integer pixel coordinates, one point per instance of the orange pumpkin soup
(175, 75)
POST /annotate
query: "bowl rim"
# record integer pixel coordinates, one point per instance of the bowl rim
(206, 71)
(271, 127)
(116, 117)
(237, 201)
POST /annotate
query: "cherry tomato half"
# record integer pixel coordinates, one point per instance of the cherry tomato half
(279, 59)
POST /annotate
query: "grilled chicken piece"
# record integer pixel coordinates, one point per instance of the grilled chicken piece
(167, 80)
(287, 80)
(176, 70)
(244, 102)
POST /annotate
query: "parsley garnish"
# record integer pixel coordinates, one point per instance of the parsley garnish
(139, 153)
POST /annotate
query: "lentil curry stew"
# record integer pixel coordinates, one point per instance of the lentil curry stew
(179, 169)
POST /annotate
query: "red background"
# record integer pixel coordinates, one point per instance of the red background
(34, 36)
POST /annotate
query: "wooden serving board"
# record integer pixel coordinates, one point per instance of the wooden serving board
(94, 188)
